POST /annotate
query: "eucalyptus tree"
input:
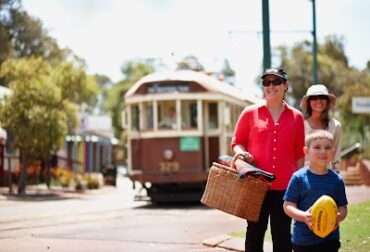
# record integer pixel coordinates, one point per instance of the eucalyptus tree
(342, 79)
(22, 35)
(190, 62)
(132, 71)
(42, 108)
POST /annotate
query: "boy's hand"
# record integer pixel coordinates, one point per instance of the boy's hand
(307, 218)
(337, 221)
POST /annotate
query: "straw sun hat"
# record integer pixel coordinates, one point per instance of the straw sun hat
(315, 90)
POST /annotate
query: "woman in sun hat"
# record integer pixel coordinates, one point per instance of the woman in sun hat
(316, 106)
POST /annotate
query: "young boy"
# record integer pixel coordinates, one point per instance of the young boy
(306, 186)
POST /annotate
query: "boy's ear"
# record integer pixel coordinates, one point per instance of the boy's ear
(305, 150)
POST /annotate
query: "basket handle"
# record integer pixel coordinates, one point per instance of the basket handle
(233, 160)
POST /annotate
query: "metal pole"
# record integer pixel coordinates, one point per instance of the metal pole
(266, 35)
(314, 45)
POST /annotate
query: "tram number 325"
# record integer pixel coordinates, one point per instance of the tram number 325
(167, 167)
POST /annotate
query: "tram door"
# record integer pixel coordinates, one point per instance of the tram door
(2, 150)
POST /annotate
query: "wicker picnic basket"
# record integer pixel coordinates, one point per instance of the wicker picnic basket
(241, 197)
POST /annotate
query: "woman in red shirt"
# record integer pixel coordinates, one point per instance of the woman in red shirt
(271, 135)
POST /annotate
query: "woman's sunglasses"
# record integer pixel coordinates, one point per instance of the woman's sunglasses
(318, 97)
(274, 82)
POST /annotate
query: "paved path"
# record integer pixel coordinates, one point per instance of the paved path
(223, 242)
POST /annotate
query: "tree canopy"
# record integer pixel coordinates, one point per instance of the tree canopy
(334, 71)
(23, 36)
(42, 108)
(132, 72)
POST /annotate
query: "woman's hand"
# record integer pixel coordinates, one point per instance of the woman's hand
(247, 157)
(242, 154)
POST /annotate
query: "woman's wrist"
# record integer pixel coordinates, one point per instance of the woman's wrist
(246, 156)
(242, 154)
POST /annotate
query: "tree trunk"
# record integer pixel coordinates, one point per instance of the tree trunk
(22, 182)
(47, 174)
(42, 175)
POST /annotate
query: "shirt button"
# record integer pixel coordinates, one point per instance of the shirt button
(274, 158)
(274, 140)
(273, 166)
(274, 131)
(274, 149)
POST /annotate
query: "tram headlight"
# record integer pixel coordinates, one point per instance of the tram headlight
(168, 154)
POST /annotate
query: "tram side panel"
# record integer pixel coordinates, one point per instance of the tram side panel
(214, 149)
(149, 157)
(180, 176)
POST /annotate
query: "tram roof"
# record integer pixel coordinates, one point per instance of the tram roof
(209, 83)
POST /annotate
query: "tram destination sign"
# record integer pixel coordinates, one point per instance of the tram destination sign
(171, 88)
(361, 105)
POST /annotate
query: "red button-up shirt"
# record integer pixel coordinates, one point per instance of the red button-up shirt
(276, 147)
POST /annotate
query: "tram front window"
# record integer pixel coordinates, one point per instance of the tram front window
(167, 115)
(189, 114)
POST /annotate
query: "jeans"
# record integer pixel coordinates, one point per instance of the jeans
(279, 222)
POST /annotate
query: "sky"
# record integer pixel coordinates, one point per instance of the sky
(106, 33)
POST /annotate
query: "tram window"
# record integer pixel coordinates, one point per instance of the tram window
(189, 114)
(235, 112)
(227, 118)
(148, 116)
(167, 115)
(213, 115)
(135, 117)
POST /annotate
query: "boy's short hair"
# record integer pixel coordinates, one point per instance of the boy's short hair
(318, 134)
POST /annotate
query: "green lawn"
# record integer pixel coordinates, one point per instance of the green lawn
(354, 230)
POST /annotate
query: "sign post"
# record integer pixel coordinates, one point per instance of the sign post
(361, 105)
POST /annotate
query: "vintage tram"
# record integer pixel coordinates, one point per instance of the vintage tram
(177, 124)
